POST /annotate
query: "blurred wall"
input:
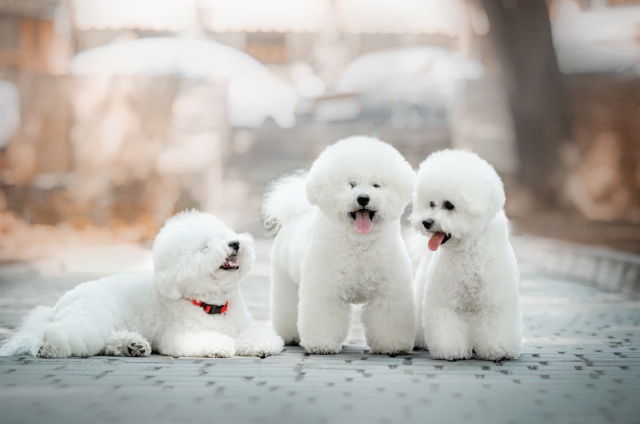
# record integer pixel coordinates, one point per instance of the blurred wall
(605, 111)
(103, 150)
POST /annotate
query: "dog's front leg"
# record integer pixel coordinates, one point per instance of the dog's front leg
(497, 333)
(323, 319)
(200, 344)
(390, 323)
(446, 332)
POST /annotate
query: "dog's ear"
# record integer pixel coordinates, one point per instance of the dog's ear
(490, 202)
(167, 285)
(478, 207)
(313, 190)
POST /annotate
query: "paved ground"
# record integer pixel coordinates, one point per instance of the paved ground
(581, 364)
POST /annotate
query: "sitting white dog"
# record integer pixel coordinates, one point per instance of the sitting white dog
(339, 243)
(190, 305)
(467, 284)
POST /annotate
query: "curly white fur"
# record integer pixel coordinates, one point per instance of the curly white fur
(331, 251)
(467, 283)
(137, 313)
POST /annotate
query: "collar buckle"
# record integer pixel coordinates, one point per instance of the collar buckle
(211, 309)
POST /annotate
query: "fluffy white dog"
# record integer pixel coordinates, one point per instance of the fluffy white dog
(339, 244)
(190, 305)
(467, 282)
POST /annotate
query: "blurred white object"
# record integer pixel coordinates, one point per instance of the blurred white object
(599, 40)
(9, 111)
(402, 16)
(154, 15)
(255, 93)
(414, 75)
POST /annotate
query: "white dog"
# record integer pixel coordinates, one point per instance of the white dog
(338, 244)
(190, 305)
(467, 286)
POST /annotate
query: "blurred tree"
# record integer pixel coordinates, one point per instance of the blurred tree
(521, 33)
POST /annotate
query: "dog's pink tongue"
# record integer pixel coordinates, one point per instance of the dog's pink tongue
(436, 240)
(363, 223)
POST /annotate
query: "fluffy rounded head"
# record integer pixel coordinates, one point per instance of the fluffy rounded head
(196, 256)
(360, 184)
(457, 193)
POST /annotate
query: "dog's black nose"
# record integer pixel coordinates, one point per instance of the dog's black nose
(363, 200)
(427, 223)
(235, 245)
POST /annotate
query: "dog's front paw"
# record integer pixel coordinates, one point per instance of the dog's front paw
(221, 352)
(260, 352)
(261, 347)
(450, 353)
(220, 346)
(323, 349)
(391, 349)
(495, 354)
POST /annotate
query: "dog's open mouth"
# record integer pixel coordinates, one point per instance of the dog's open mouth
(363, 220)
(438, 239)
(231, 263)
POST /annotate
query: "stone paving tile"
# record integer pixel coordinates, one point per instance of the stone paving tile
(581, 364)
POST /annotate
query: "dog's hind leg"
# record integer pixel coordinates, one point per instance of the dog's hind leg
(30, 335)
(74, 333)
(284, 307)
(125, 343)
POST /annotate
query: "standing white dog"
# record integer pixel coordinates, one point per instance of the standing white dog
(338, 244)
(467, 287)
(190, 305)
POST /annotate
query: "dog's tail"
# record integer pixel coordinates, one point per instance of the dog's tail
(285, 199)
(30, 334)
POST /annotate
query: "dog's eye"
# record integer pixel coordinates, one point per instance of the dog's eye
(432, 204)
(352, 184)
(449, 206)
(376, 186)
(204, 247)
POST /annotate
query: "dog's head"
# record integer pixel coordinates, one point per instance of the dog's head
(457, 193)
(196, 256)
(360, 184)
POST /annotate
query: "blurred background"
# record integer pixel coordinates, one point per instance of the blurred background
(114, 114)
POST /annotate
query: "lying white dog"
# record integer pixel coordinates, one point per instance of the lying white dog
(467, 286)
(338, 244)
(190, 305)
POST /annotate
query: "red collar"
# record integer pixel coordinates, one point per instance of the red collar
(211, 309)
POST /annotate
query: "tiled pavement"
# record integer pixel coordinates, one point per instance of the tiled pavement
(581, 364)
